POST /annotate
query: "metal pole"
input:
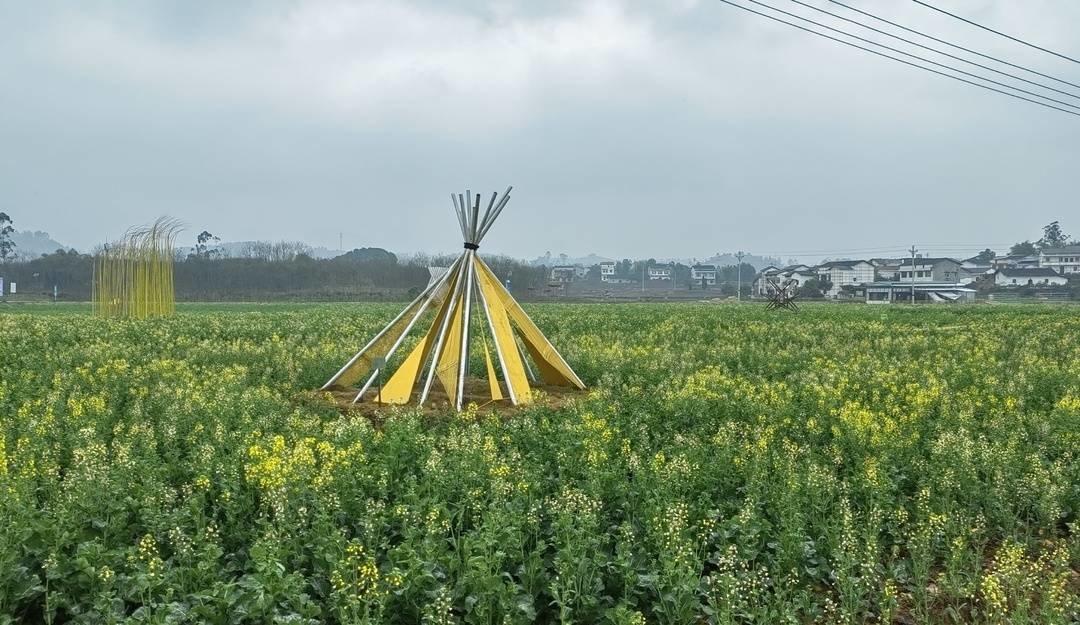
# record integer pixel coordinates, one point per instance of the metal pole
(428, 291)
(466, 317)
(498, 347)
(379, 363)
(526, 318)
(642, 276)
(460, 216)
(498, 210)
(913, 250)
(442, 336)
(475, 220)
(738, 269)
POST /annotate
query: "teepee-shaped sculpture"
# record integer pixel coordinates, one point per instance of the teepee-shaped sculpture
(467, 287)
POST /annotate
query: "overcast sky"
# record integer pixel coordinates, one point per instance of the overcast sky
(652, 128)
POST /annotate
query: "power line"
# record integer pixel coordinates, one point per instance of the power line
(829, 252)
(915, 56)
(935, 50)
(958, 47)
(885, 249)
(996, 32)
(915, 65)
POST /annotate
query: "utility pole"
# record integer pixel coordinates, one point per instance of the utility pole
(913, 250)
(738, 268)
(643, 263)
(340, 245)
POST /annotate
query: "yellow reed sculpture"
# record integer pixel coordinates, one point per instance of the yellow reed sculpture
(134, 277)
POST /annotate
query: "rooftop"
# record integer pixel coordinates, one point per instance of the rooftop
(1068, 249)
(1029, 272)
(919, 286)
(921, 260)
(843, 264)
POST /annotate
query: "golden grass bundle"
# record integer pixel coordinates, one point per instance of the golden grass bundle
(134, 276)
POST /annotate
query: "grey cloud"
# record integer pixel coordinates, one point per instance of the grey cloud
(627, 129)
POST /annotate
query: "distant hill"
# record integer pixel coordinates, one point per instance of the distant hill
(368, 254)
(30, 245)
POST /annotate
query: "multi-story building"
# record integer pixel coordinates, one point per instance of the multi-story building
(977, 265)
(941, 270)
(703, 274)
(843, 273)
(660, 272)
(1016, 260)
(563, 274)
(1064, 260)
(762, 285)
(607, 271)
(885, 268)
(770, 277)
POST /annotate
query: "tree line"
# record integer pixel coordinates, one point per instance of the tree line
(368, 274)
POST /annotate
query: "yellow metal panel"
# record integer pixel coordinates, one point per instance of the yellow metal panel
(493, 382)
(548, 372)
(362, 366)
(450, 357)
(513, 369)
(553, 369)
(399, 389)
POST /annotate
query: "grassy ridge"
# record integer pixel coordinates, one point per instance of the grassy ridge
(846, 464)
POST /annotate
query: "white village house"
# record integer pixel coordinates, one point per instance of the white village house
(886, 268)
(703, 274)
(563, 274)
(843, 273)
(1016, 260)
(761, 286)
(976, 265)
(1029, 276)
(660, 272)
(795, 275)
(607, 271)
(941, 270)
(1064, 260)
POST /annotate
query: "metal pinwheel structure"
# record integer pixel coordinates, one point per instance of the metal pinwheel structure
(783, 296)
(468, 290)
